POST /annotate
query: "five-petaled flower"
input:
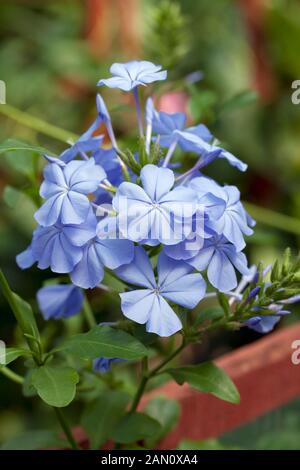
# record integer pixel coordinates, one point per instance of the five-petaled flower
(175, 282)
(155, 213)
(65, 188)
(129, 75)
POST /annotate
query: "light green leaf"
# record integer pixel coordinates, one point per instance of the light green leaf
(106, 342)
(166, 412)
(11, 354)
(207, 378)
(34, 440)
(240, 100)
(101, 416)
(56, 386)
(13, 144)
(24, 315)
(209, 444)
(134, 427)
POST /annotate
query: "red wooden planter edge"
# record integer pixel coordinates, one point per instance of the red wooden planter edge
(262, 371)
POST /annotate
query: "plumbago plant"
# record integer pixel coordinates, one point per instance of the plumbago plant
(130, 224)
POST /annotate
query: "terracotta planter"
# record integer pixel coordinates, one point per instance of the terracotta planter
(264, 374)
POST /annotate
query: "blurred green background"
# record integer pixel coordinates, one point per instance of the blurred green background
(51, 57)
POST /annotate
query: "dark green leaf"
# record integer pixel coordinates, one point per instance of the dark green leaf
(134, 427)
(106, 342)
(143, 336)
(209, 314)
(24, 315)
(166, 412)
(101, 416)
(34, 440)
(56, 386)
(207, 378)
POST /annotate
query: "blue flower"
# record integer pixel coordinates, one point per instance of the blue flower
(165, 125)
(85, 144)
(155, 213)
(103, 364)
(108, 160)
(129, 75)
(197, 141)
(233, 222)
(101, 251)
(263, 324)
(148, 305)
(59, 246)
(59, 301)
(65, 190)
(220, 258)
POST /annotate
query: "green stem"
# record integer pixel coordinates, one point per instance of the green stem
(65, 428)
(11, 375)
(146, 376)
(274, 219)
(37, 124)
(168, 359)
(141, 386)
(88, 313)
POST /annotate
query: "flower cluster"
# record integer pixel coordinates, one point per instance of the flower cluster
(134, 213)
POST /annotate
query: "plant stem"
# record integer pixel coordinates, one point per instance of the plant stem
(37, 124)
(168, 359)
(138, 110)
(65, 428)
(146, 376)
(274, 219)
(88, 313)
(11, 375)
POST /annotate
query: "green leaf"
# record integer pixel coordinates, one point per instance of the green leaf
(11, 354)
(207, 378)
(101, 416)
(209, 444)
(202, 102)
(34, 440)
(24, 315)
(223, 300)
(106, 342)
(28, 389)
(166, 412)
(56, 386)
(240, 100)
(13, 144)
(209, 314)
(134, 427)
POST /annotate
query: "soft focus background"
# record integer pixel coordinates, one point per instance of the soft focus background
(231, 64)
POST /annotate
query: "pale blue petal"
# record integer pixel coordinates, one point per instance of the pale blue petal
(115, 253)
(75, 208)
(25, 259)
(59, 301)
(221, 273)
(163, 320)
(139, 272)
(156, 181)
(203, 258)
(89, 271)
(78, 235)
(137, 305)
(49, 212)
(64, 256)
